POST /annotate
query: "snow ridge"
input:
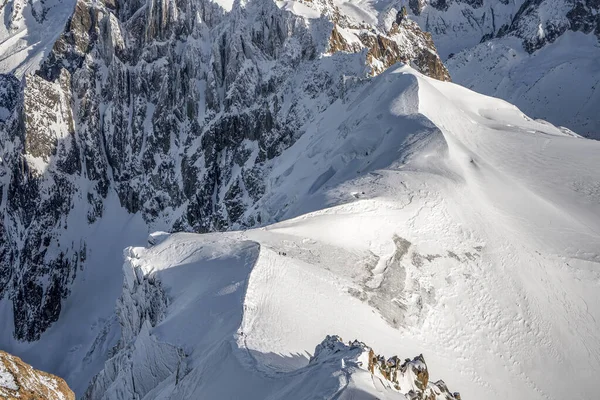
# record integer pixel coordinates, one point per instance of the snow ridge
(162, 359)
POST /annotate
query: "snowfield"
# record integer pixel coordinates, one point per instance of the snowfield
(413, 215)
(557, 83)
(29, 31)
(418, 217)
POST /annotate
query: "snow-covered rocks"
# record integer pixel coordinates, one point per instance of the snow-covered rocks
(409, 377)
(19, 380)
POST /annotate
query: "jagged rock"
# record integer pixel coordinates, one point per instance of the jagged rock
(410, 377)
(402, 41)
(19, 380)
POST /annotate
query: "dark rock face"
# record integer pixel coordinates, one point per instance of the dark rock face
(172, 107)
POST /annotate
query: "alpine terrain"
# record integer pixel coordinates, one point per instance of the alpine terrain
(540, 55)
(269, 199)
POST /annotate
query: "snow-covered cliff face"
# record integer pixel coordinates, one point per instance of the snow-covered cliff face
(175, 107)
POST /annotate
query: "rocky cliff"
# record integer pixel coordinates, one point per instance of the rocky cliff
(19, 380)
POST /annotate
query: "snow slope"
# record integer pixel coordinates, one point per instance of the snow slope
(559, 83)
(484, 47)
(28, 32)
(423, 218)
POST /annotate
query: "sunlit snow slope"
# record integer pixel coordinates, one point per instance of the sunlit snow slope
(28, 31)
(418, 217)
(559, 83)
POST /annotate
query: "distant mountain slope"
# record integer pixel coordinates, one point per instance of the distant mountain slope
(28, 31)
(559, 83)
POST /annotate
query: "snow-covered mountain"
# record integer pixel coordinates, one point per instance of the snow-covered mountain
(538, 54)
(442, 222)
(429, 219)
(375, 203)
(174, 109)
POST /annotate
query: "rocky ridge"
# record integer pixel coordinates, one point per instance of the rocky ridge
(19, 380)
(409, 377)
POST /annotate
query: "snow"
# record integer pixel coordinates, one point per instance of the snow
(227, 5)
(7, 380)
(473, 241)
(29, 32)
(299, 9)
(414, 215)
(558, 83)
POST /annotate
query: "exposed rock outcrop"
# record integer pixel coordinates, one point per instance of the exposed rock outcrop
(410, 377)
(398, 39)
(20, 381)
